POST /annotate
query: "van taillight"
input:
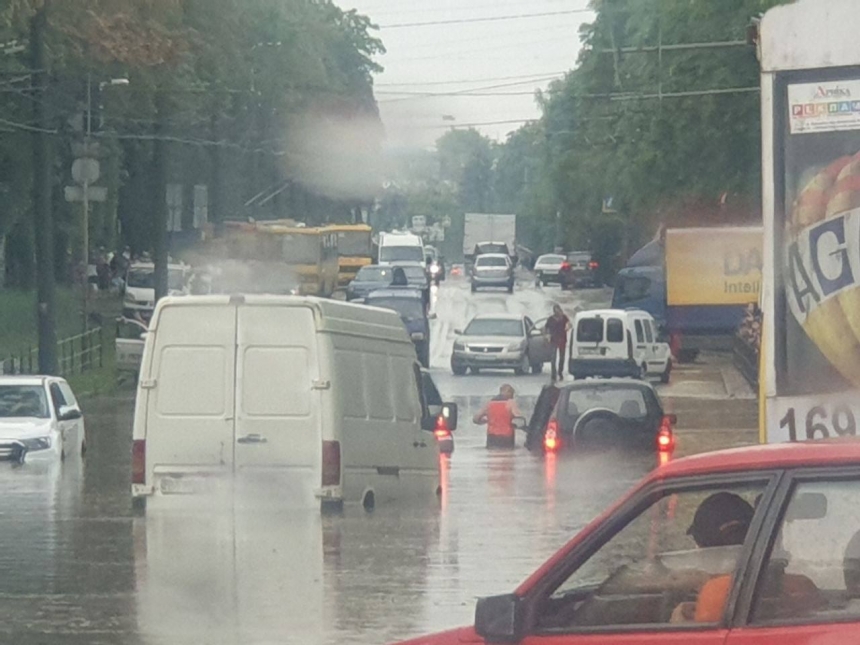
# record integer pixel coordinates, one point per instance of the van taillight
(138, 461)
(441, 431)
(550, 437)
(593, 265)
(331, 463)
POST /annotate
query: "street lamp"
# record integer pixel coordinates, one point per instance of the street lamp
(90, 174)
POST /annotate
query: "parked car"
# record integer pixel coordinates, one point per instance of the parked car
(492, 270)
(618, 342)
(436, 408)
(548, 269)
(580, 269)
(624, 413)
(368, 279)
(40, 419)
(129, 344)
(409, 305)
(139, 289)
(500, 341)
(743, 547)
(284, 401)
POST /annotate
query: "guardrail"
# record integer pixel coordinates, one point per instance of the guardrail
(75, 355)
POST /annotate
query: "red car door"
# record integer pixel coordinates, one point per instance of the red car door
(807, 590)
(638, 579)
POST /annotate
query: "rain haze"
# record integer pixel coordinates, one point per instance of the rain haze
(476, 64)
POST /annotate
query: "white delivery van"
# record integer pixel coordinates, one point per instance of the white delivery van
(400, 247)
(618, 342)
(280, 401)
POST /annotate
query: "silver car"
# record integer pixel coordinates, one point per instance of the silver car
(500, 341)
(548, 268)
(493, 270)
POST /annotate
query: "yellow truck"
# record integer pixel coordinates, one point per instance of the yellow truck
(354, 248)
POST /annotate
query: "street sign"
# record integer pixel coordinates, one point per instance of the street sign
(86, 171)
(419, 223)
(95, 194)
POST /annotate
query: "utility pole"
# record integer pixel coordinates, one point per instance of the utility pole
(160, 176)
(43, 215)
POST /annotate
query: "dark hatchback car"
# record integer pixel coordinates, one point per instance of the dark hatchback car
(409, 303)
(369, 279)
(580, 270)
(622, 413)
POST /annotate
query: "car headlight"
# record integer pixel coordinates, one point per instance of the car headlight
(459, 347)
(40, 443)
(418, 336)
(515, 347)
(434, 269)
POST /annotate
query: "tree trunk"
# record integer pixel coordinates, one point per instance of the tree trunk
(42, 198)
(159, 206)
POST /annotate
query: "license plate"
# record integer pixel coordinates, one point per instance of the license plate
(180, 485)
(589, 351)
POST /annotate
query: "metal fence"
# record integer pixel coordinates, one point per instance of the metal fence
(75, 355)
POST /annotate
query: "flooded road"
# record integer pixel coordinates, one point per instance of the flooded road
(77, 567)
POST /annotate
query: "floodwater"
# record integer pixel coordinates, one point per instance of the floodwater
(76, 566)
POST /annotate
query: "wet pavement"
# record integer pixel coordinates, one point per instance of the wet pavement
(77, 567)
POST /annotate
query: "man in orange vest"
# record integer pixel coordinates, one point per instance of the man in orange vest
(498, 415)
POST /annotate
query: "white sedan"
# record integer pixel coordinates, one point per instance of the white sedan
(548, 268)
(39, 419)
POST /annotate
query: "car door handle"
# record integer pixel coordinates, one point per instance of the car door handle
(419, 445)
(252, 439)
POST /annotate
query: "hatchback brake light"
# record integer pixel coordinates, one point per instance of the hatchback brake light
(666, 437)
(331, 463)
(138, 461)
(550, 438)
(565, 266)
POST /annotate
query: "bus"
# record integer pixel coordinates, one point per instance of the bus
(299, 259)
(810, 97)
(354, 248)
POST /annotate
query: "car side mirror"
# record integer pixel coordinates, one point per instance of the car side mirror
(68, 413)
(458, 332)
(451, 414)
(536, 333)
(432, 316)
(498, 619)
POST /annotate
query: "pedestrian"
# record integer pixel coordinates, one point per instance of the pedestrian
(557, 328)
(498, 415)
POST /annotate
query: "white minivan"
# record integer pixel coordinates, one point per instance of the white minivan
(400, 247)
(281, 401)
(618, 342)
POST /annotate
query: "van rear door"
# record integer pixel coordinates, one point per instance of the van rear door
(189, 395)
(278, 438)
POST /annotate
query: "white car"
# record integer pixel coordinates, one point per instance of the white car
(39, 419)
(548, 268)
(140, 286)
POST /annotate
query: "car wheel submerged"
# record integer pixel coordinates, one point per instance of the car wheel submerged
(458, 370)
(537, 368)
(664, 377)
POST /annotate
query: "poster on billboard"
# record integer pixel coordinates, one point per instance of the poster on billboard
(816, 254)
(706, 266)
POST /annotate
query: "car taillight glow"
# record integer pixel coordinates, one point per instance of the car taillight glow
(565, 266)
(550, 438)
(441, 431)
(331, 463)
(593, 265)
(138, 461)
(665, 437)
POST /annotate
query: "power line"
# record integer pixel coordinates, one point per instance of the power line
(466, 91)
(461, 21)
(476, 124)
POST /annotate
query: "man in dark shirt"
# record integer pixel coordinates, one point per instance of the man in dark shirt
(558, 327)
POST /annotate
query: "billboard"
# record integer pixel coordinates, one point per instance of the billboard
(713, 266)
(814, 240)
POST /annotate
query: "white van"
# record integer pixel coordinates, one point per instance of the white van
(401, 247)
(282, 401)
(618, 342)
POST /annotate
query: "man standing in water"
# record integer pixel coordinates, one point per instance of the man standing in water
(498, 415)
(558, 327)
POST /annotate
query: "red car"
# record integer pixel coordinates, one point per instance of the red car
(741, 547)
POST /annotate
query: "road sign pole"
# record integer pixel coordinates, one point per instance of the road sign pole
(86, 245)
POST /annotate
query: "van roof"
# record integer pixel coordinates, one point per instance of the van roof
(23, 379)
(603, 313)
(333, 315)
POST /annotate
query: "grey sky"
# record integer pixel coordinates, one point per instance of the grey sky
(509, 59)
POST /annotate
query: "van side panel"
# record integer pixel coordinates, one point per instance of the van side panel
(378, 417)
(278, 436)
(189, 390)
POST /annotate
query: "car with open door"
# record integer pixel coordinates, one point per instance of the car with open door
(751, 546)
(618, 413)
(500, 341)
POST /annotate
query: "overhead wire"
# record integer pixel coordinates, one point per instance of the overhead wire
(460, 21)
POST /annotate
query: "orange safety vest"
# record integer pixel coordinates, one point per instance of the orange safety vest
(499, 419)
